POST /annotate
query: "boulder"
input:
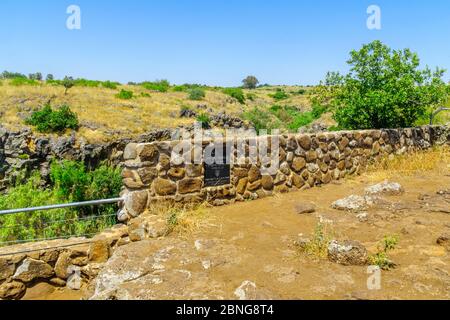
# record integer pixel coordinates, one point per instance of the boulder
(12, 290)
(164, 187)
(136, 202)
(303, 208)
(352, 203)
(31, 269)
(347, 253)
(385, 188)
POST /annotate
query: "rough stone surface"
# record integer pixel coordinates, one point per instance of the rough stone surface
(348, 253)
(352, 203)
(12, 290)
(99, 251)
(31, 269)
(303, 208)
(385, 188)
(165, 187)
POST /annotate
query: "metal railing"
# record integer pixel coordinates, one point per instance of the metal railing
(48, 224)
(61, 206)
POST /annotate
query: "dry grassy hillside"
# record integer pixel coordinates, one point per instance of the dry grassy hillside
(103, 116)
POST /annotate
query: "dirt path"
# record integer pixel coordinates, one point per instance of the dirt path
(254, 241)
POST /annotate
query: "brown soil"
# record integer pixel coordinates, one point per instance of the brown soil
(254, 241)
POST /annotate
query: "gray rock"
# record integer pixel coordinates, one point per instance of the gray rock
(348, 253)
(385, 188)
(353, 203)
(32, 269)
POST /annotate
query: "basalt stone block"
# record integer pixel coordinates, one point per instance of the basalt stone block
(177, 173)
(298, 164)
(148, 152)
(267, 182)
(242, 186)
(164, 187)
(254, 174)
(147, 175)
(190, 185)
(304, 141)
(311, 156)
(130, 151)
(194, 170)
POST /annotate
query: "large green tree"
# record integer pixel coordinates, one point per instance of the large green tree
(385, 88)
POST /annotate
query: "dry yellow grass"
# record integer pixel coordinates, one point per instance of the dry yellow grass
(437, 158)
(105, 117)
(182, 219)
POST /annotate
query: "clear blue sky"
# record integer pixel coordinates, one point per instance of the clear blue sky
(215, 42)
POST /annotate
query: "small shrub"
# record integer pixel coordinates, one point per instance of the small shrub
(124, 94)
(204, 120)
(318, 245)
(235, 93)
(50, 77)
(262, 119)
(381, 258)
(48, 120)
(196, 94)
(279, 95)
(250, 96)
(160, 86)
(145, 95)
(23, 81)
(109, 85)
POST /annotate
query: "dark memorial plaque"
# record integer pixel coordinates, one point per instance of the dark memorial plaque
(217, 174)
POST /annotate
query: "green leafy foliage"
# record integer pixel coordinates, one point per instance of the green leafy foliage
(204, 120)
(236, 93)
(381, 258)
(110, 85)
(384, 89)
(23, 81)
(125, 95)
(48, 120)
(104, 182)
(196, 94)
(160, 86)
(279, 95)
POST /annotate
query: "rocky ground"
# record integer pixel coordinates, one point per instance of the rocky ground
(252, 250)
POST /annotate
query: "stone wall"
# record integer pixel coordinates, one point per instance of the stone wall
(152, 174)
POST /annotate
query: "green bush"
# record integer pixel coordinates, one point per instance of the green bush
(125, 94)
(262, 119)
(386, 89)
(279, 95)
(196, 94)
(23, 81)
(204, 120)
(236, 93)
(161, 85)
(104, 182)
(109, 85)
(48, 120)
